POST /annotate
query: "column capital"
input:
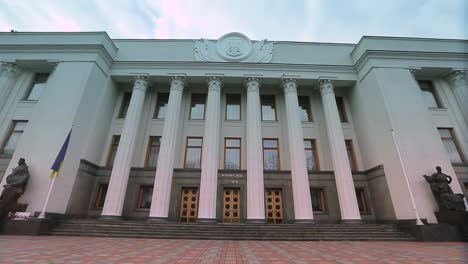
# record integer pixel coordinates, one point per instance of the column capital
(253, 84)
(178, 82)
(214, 83)
(141, 83)
(10, 68)
(289, 85)
(326, 86)
(457, 77)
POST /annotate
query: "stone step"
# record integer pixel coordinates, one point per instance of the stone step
(89, 227)
(218, 237)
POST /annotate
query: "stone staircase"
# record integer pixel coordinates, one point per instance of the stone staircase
(142, 229)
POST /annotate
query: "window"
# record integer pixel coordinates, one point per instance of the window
(232, 153)
(304, 108)
(193, 152)
(144, 197)
(430, 97)
(40, 80)
(233, 107)
(311, 154)
(161, 106)
(101, 196)
(341, 109)
(361, 199)
(153, 152)
(14, 135)
(270, 154)
(124, 105)
(197, 110)
(351, 156)
(451, 145)
(113, 151)
(268, 107)
(318, 200)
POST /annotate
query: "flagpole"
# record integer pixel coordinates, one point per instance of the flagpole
(42, 215)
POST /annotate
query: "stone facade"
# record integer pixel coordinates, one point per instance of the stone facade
(396, 105)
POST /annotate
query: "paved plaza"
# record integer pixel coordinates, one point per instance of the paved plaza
(56, 249)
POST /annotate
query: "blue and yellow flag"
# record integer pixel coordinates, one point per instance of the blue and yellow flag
(60, 157)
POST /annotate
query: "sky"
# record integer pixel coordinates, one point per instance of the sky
(342, 21)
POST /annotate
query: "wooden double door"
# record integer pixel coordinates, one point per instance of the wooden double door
(231, 205)
(274, 206)
(189, 205)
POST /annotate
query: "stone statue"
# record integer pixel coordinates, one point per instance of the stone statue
(15, 187)
(443, 193)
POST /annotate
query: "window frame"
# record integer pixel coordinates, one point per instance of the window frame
(148, 149)
(322, 199)
(269, 148)
(455, 141)
(126, 96)
(99, 195)
(274, 107)
(140, 196)
(10, 132)
(315, 151)
(226, 107)
(109, 156)
(158, 103)
(310, 115)
(352, 166)
(191, 106)
(239, 148)
(187, 147)
(340, 103)
(34, 82)
(430, 88)
(363, 197)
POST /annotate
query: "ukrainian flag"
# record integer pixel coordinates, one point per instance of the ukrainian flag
(60, 157)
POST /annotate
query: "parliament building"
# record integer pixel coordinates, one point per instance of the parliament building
(234, 130)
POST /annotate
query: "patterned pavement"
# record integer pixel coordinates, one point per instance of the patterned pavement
(70, 250)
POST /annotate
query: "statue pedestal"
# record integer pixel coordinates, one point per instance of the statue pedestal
(29, 227)
(455, 218)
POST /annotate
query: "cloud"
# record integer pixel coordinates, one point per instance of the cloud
(293, 20)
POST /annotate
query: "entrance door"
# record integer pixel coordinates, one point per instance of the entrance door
(274, 206)
(231, 205)
(189, 205)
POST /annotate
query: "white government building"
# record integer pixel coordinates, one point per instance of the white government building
(234, 130)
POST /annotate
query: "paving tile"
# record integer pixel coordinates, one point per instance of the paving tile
(57, 249)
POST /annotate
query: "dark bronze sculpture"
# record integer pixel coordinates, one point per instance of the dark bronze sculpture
(444, 195)
(15, 187)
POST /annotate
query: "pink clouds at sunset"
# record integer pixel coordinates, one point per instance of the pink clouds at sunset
(296, 20)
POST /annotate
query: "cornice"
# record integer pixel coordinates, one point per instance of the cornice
(408, 55)
(61, 48)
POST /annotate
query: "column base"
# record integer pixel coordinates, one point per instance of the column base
(304, 221)
(255, 221)
(350, 221)
(207, 221)
(158, 219)
(110, 218)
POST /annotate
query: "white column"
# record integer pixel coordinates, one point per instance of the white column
(460, 89)
(299, 175)
(255, 188)
(342, 170)
(114, 202)
(8, 76)
(210, 153)
(163, 179)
